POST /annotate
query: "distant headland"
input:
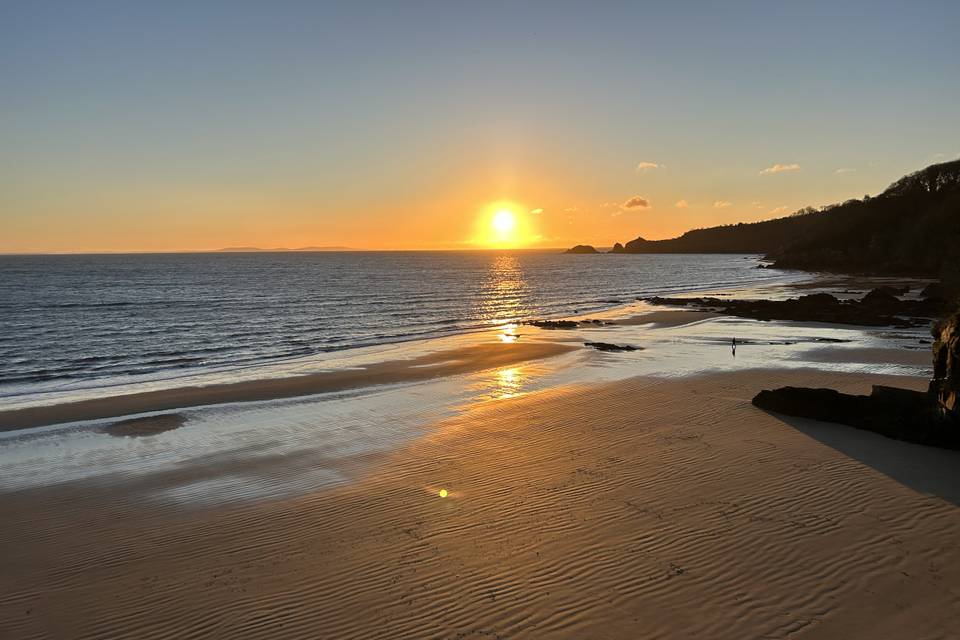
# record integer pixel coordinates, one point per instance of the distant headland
(912, 228)
(255, 249)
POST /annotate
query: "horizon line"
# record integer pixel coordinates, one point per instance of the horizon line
(258, 250)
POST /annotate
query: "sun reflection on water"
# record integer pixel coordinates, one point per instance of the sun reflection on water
(504, 291)
(508, 333)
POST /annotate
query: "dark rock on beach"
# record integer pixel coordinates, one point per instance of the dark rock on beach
(555, 324)
(901, 414)
(945, 386)
(881, 299)
(606, 346)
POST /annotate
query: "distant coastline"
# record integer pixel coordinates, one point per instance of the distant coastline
(910, 229)
(280, 249)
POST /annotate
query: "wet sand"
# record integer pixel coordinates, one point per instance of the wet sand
(645, 508)
(867, 355)
(143, 427)
(667, 318)
(433, 365)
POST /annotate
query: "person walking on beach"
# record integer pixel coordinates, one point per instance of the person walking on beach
(734, 344)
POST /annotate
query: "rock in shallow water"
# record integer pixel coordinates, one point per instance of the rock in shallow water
(607, 346)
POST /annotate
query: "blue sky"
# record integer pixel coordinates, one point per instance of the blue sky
(196, 125)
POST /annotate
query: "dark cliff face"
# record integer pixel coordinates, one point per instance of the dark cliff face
(617, 248)
(945, 385)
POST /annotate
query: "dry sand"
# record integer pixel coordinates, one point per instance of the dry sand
(441, 363)
(639, 509)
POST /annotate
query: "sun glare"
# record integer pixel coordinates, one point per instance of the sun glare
(503, 221)
(499, 226)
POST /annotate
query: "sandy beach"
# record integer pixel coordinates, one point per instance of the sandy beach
(646, 505)
(643, 508)
(513, 483)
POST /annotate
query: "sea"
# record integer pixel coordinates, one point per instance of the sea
(96, 321)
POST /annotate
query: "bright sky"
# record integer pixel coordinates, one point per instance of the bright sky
(199, 125)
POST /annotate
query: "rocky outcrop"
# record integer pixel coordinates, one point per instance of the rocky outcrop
(945, 386)
(931, 418)
(879, 308)
(617, 248)
(901, 414)
(582, 248)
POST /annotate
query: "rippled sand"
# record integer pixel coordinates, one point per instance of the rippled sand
(645, 508)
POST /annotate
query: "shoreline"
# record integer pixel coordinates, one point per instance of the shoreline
(470, 352)
(433, 365)
(128, 370)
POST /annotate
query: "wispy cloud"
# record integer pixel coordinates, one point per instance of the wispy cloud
(757, 205)
(536, 211)
(843, 170)
(681, 204)
(636, 202)
(722, 204)
(778, 211)
(645, 166)
(780, 168)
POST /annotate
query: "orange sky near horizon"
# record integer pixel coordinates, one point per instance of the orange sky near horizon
(553, 211)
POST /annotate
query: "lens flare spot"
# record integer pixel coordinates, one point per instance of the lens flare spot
(443, 493)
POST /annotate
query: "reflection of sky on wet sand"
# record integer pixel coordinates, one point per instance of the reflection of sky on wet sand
(501, 384)
(509, 381)
(508, 333)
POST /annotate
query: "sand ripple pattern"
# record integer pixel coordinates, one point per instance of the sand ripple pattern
(641, 509)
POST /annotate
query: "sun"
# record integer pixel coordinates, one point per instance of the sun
(503, 224)
(503, 221)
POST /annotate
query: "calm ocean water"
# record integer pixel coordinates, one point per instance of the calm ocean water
(66, 320)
